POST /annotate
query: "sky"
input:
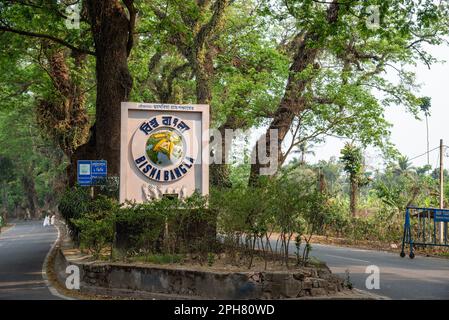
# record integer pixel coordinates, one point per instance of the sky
(409, 134)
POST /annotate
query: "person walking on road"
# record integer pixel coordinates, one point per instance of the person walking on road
(46, 221)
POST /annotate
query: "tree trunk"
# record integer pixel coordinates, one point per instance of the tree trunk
(204, 71)
(203, 68)
(293, 102)
(31, 194)
(112, 32)
(201, 55)
(353, 197)
(4, 212)
(110, 28)
(220, 173)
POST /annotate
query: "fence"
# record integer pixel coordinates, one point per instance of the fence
(424, 227)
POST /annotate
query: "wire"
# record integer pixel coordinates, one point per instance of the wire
(424, 153)
(438, 161)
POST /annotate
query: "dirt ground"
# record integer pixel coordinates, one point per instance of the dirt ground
(8, 226)
(381, 246)
(213, 262)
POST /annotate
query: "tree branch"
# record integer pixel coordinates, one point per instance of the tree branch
(132, 24)
(48, 37)
(215, 20)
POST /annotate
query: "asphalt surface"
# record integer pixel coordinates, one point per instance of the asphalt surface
(400, 278)
(23, 249)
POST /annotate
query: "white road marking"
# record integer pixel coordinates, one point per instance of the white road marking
(345, 258)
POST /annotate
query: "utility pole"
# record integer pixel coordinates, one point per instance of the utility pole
(427, 127)
(441, 189)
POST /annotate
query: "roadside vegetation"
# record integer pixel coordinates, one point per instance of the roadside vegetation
(268, 223)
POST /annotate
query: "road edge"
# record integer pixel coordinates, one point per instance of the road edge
(375, 296)
(6, 228)
(52, 289)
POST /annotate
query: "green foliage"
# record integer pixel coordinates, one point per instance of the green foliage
(159, 258)
(347, 90)
(96, 227)
(141, 225)
(73, 204)
(166, 226)
(352, 159)
(278, 206)
(426, 103)
(163, 226)
(210, 259)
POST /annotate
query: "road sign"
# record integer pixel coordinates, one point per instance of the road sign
(91, 172)
(442, 217)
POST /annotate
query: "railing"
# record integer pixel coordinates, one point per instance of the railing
(424, 227)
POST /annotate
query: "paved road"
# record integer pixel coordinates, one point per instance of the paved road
(400, 278)
(22, 252)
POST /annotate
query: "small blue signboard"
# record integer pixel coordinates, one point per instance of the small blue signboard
(90, 172)
(441, 217)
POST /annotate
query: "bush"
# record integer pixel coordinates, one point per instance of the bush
(166, 226)
(74, 203)
(96, 227)
(248, 216)
(140, 227)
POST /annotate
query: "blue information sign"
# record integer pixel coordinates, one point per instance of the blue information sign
(90, 172)
(441, 217)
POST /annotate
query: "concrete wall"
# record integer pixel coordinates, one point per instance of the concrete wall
(201, 284)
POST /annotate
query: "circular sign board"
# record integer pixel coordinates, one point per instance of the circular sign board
(160, 148)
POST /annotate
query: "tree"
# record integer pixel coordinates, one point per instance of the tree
(425, 107)
(109, 27)
(62, 112)
(236, 69)
(6, 176)
(191, 27)
(339, 61)
(403, 166)
(352, 159)
(304, 149)
(422, 171)
(37, 162)
(332, 171)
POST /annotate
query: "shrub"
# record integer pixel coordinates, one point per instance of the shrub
(74, 204)
(96, 227)
(166, 226)
(140, 227)
(192, 226)
(243, 218)
(250, 215)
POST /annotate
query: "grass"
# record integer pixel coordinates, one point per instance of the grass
(159, 258)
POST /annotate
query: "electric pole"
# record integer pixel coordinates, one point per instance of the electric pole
(441, 189)
(427, 128)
